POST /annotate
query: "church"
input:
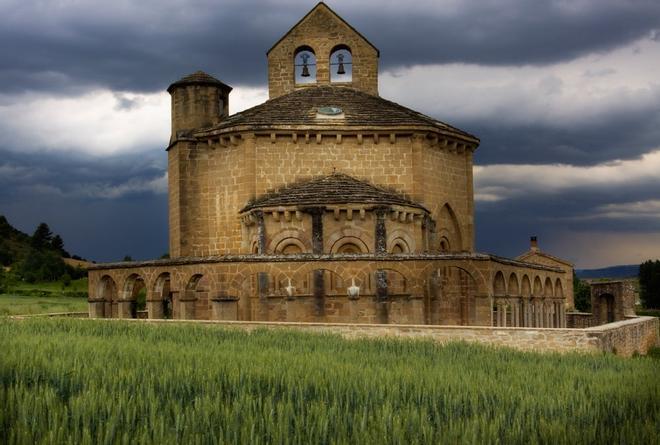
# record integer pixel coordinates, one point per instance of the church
(326, 203)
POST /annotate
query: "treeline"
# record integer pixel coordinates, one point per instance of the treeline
(649, 284)
(37, 257)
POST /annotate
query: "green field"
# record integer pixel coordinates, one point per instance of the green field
(43, 298)
(89, 382)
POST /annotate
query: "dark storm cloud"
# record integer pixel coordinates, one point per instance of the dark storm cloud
(144, 46)
(616, 136)
(504, 227)
(97, 205)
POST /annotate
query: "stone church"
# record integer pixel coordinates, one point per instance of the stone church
(327, 203)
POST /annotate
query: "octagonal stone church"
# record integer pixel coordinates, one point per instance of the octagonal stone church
(326, 203)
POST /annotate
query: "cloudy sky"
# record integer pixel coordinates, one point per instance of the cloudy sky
(565, 96)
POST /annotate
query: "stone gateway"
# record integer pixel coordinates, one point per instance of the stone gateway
(326, 203)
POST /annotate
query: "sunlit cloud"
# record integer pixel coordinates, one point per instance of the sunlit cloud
(502, 181)
(98, 123)
(564, 94)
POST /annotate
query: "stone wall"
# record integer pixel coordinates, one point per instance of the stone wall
(321, 30)
(210, 184)
(435, 289)
(580, 320)
(623, 338)
(627, 337)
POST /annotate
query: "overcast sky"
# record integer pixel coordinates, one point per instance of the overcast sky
(565, 96)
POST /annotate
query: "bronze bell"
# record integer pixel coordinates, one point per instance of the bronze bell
(305, 69)
(340, 68)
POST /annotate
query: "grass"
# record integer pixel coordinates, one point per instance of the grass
(50, 287)
(11, 304)
(86, 381)
(43, 298)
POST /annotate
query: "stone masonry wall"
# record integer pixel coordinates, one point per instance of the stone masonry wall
(210, 184)
(322, 31)
(624, 338)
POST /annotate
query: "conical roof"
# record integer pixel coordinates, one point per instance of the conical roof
(198, 78)
(300, 109)
(337, 188)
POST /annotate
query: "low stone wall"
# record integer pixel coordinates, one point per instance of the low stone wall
(580, 320)
(636, 335)
(627, 337)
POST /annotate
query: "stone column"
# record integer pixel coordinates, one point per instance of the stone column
(381, 296)
(125, 308)
(96, 307)
(317, 229)
(380, 231)
(155, 305)
(187, 305)
(515, 322)
(155, 308)
(261, 232)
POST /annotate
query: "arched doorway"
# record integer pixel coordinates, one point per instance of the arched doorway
(606, 304)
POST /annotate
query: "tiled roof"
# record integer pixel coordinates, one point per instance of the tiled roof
(337, 188)
(300, 108)
(198, 78)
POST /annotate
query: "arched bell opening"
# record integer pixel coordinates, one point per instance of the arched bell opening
(304, 64)
(341, 64)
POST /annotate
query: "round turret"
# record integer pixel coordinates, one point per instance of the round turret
(198, 100)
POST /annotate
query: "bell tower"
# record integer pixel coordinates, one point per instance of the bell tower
(322, 49)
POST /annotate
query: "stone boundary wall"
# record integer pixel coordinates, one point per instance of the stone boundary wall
(627, 337)
(624, 338)
(580, 320)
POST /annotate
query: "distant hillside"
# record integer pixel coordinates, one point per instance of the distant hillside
(627, 271)
(14, 244)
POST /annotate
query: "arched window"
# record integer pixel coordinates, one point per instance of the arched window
(399, 246)
(304, 64)
(349, 248)
(444, 244)
(341, 64)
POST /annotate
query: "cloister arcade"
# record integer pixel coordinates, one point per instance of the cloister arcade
(444, 289)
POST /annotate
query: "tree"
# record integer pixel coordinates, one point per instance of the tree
(649, 284)
(41, 266)
(3, 280)
(42, 237)
(582, 293)
(127, 258)
(57, 244)
(6, 254)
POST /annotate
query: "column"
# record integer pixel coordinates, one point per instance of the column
(154, 305)
(124, 308)
(380, 232)
(516, 313)
(381, 296)
(261, 232)
(317, 229)
(155, 308)
(187, 305)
